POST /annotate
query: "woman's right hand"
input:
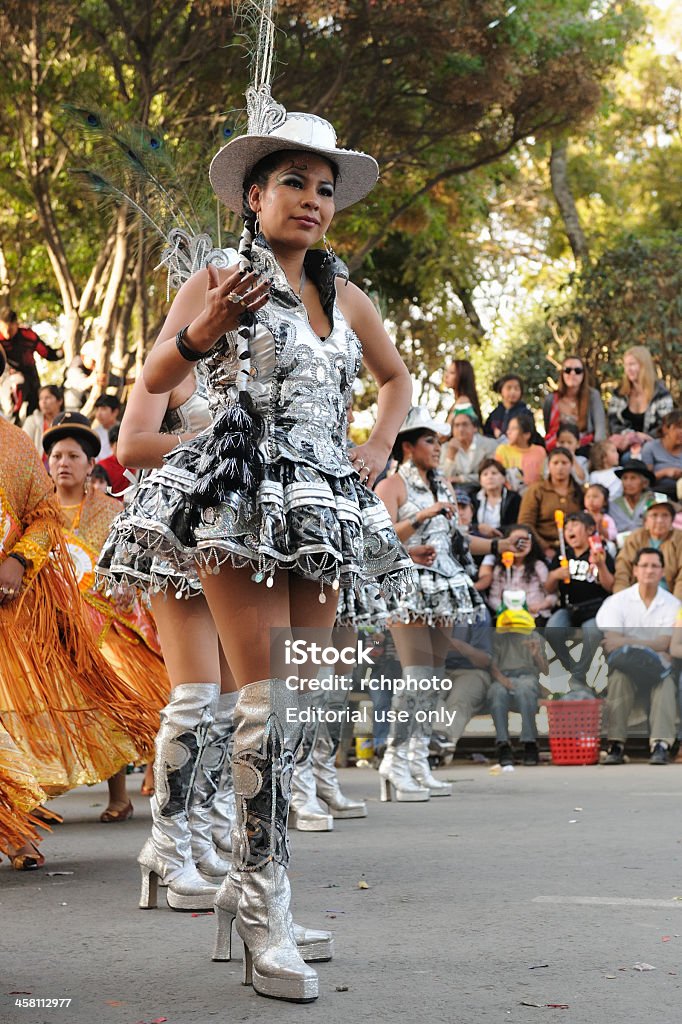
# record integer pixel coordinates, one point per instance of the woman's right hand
(447, 508)
(221, 313)
(488, 531)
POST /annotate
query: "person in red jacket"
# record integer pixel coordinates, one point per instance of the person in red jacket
(21, 346)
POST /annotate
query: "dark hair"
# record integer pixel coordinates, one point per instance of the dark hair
(108, 402)
(7, 315)
(488, 464)
(604, 491)
(525, 421)
(499, 384)
(650, 551)
(260, 172)
(408, 437)
(672, 419)
(113, 432)
(585, 518)
(100, 473)
(568, 428)
(466, 384)
(55, 391)
(534, 555)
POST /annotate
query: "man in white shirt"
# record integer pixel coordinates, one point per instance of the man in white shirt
(464, 453)
(638, 624)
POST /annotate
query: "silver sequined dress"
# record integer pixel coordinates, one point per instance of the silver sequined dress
(444, 593)
(311, 514)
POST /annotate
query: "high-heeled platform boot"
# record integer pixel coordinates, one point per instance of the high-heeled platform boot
(394, 771)
(266, 740)
(307, 813)
(209, 774)
(314, 945)
(223, 805)
(418, 747)
(324, 762)
(167, 854)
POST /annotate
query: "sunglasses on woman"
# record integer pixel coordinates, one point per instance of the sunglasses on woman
(574, 369)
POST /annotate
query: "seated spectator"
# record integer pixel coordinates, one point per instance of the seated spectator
(583, 587)
(117, 473)
(657, 533)
(528, 573)
(628, 511)
(558, 492)
(664, 456)
(596, 502)
(468, 668)
(510, 390)
(637, 624)
(518, 661)
(107, 409)
(602, 466)
(574, 401)
(568, 438)
(519, 454)
(495, 505)
(638, 406)
(463, 453)
(50, 404)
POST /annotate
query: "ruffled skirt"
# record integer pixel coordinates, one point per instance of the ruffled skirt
(438, 600)
(330, 530)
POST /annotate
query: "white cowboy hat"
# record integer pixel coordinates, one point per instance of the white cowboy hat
(358, 172)
(419, 418)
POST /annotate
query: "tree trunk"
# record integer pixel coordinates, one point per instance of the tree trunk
(558, 172)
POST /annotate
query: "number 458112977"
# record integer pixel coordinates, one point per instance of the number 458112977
(54, 1003)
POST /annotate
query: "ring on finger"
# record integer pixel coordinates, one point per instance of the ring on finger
(361, 463)
(236, 298)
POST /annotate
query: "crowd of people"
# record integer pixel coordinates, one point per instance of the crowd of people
(483, 549)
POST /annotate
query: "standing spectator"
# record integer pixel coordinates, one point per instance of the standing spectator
(528, 573)
(459, 376)
(628, 511)
(50, 404)
(520, 454)
(78, 381)
(518, 661)
(574, 401)
(468, 668)
(496, 506)
(119, 481)
(21, 346)
(583, 586)
(637, 408)
(664, 457)
(657, 533)
(638, 625)
(602, 465)
(510, 390)
(107, 409)
(464, 452)
(543, 499)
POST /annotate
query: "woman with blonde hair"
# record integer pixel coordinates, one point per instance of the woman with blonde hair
(638, 406)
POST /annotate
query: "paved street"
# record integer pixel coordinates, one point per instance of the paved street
(545, 886)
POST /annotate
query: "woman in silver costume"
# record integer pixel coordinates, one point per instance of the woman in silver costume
(424, 511)
(267, 503)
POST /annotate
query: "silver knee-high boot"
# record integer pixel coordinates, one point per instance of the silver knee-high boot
(418, 747)
(167, 854)
(394, 771)
(324, 762)
(223, 804)
(307, 813)
(265, 746)
(209, 775)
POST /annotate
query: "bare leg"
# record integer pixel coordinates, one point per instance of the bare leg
(188, 639)
(119, 807)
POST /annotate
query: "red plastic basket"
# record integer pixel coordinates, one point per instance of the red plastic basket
(574, 729)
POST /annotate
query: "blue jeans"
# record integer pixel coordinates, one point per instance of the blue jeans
(559, 631)
(523, 698)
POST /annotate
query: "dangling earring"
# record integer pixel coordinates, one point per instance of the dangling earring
(331, 255)
(256, 226)
(86, 485)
